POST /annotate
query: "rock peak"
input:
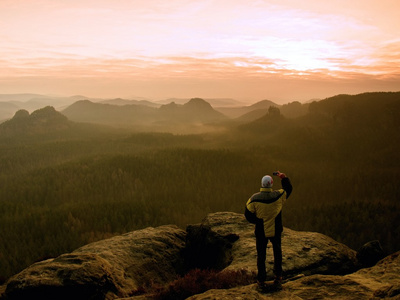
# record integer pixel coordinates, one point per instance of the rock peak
(198, 103)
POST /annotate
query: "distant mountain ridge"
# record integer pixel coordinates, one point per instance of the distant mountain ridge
(214, 102)
(195, 110)
(235, 112)
(91, 112)
(123, 112)
(19, 97)
(10, 103)
(120, 101)
(40, 121)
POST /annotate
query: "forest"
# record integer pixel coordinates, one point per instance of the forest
(74, 183)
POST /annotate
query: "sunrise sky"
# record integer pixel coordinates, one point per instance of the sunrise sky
(250, 50)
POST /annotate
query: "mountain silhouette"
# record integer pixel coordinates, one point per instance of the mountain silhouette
(88, 111)
(194, 111)
(350, 112)
(236, 112)
(43, 120)
(120, 101)
(368, 109)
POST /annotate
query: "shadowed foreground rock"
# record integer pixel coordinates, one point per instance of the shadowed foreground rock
(379, 282)
(120, 266)
(107, 269)
(370, 253)
(303, 252)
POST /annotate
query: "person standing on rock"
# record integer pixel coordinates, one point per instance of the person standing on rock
(264, 209)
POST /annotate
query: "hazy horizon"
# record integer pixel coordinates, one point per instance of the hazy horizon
(219, 101)
(282, 51)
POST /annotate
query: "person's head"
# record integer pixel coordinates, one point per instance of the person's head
(267, 181)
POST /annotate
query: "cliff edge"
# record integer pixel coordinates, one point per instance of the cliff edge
(127, 266)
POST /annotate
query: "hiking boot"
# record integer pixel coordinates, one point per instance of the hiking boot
(278, 281)
(260, 284)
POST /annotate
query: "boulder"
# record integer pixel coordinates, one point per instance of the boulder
(107, 269)
(370, 253)
(303, 252)
(379, 282)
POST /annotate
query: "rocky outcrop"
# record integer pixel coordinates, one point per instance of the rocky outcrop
(379, 282)
(303, 252)
(122, 266)
(107, 269)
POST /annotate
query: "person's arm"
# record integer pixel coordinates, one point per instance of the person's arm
(250, 213)
(286, 184)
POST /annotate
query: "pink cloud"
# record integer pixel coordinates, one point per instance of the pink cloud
(287, 43)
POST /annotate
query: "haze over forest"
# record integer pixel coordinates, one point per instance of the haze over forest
(92, 168)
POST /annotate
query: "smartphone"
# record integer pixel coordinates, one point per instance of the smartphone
(275, 173)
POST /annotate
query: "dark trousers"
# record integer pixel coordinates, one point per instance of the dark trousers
(261, 245)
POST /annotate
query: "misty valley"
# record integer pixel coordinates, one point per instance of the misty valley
(90, 170)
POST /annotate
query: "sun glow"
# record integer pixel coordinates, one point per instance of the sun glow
(204, 41)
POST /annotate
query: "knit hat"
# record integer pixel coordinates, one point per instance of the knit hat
(267, 181)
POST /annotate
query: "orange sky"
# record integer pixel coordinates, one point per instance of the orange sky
(282, 50)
